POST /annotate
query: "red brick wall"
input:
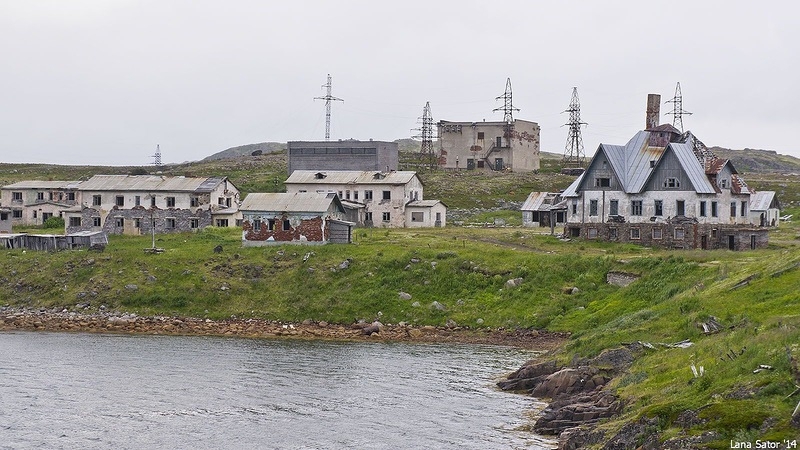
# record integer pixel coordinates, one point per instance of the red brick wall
(310, 228)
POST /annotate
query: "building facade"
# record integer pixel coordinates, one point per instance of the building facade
(662, 188)
(126, 204)
(342, 155)
(299, 218)
(383, 197)
(489, 146)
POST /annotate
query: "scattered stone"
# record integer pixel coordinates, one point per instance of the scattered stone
(151, 279)
(416, 305)
(218, 249)
(131, 287)
(451, 323)
(404, 295)
(433, 264)
(437, 306)
(479, 321)
(345, 264)
(414, 260)
(308, 322)
(224, 287)
(514, 282)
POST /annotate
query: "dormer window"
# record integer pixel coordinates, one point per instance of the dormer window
(723, 183)
(652, 163)
(319, 175)
(672, 183)
(602, 182)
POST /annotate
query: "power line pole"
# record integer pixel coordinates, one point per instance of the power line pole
(157, 156)
(328, 98)
(573, 152)
(677, 110)
(508, 107)
(426, 135)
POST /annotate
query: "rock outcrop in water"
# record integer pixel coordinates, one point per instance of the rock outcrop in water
(578, 395)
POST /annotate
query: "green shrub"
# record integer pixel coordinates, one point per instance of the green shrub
(53, 222)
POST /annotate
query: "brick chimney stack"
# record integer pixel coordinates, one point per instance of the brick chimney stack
(653, 111)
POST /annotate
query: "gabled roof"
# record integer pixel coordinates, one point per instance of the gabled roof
(303, 202)
(40, 184)
(761, 200)
(635, 162)
(150, 183)
(350, 177)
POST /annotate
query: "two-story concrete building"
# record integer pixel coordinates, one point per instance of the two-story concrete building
(32, 202)
(489, 145)
(382, 199)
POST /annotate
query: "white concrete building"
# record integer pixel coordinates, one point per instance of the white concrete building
(489, 145)
(382, 198)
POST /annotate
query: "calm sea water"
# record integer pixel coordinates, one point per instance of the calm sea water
(77, 391)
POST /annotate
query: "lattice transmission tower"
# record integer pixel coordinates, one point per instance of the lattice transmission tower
(677, 110)
(573, 152)
(426, 135)
(157, 156)
(508, 106)
(328, 99)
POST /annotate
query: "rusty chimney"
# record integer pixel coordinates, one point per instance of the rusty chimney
(653, 111)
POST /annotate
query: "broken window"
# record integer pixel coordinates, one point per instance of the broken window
(169, 222)
(195, 202)
(119, 222)
(592, 207)
(602, 182)
(40, 196)
(256, 225)
(271, 224)
(194, 223)
(368, 217)
(679, 233)
(386, 217)
(355, 195)
(612, 233)
(74, 221)
(387, 195)
(702, 208)
(417, 216)
(672, 183)
(96, 221)
(743, 211)
(635, 233)
(287, 226)
(733, 209)
(120, 200)
(574, 207)
(3, 216)
(658, 233)
(16, 197)
(481, 135)
(170, 202)
(367, 195)
(137, 222)
(680, 207)
(614, 208)
(137, 200)
(592, 233)
(714, 209)
(153, 201)
(222, 223)
(97, 200)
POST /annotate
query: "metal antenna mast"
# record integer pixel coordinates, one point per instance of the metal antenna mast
(157, 156)
(426, 134)
(508, 108)
(677, 110)
(328, 98)
(573, 152)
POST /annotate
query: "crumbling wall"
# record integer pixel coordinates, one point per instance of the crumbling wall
(183, 220)
(675, 235)
(301, 230)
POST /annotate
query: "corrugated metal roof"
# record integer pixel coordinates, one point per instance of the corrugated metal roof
(149, 183)
(539, 201)
(694, 170)
(349, 177)
(283, 202)
(572, 189)
(40, 184)
(638, 155)
(761, 200)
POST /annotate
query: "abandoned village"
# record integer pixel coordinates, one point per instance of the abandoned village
(662, 188)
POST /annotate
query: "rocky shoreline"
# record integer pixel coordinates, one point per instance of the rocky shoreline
(39, 319)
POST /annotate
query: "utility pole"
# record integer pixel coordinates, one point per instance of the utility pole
(677, 110)
(426, 135)
(573, 151)
(328, 98)
(508, 107)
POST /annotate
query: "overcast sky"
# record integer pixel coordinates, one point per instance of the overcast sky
(105, 81)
